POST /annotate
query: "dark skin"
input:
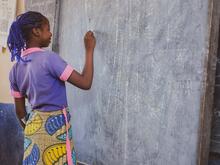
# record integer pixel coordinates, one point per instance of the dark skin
(41, 37)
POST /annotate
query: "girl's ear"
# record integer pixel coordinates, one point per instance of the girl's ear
(36, 32)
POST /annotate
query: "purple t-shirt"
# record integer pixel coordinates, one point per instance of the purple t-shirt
(42, 80)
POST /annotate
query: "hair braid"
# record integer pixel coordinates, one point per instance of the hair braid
(20, 32)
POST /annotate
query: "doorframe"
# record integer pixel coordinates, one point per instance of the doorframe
(206, 108)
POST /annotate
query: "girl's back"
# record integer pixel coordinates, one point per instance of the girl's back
(41, 79)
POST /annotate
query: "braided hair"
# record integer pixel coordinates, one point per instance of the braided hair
(20, 32)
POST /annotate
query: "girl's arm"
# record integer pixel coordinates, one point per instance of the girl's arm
(20, 109)
(84, 80)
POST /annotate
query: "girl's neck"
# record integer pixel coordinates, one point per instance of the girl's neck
(32, 45)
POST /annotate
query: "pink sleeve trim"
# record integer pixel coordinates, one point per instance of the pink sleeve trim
(16, 94)
(66, 73)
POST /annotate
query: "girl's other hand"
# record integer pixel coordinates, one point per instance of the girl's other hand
(89, 41)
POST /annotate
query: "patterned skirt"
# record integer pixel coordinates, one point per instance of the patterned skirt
(48, 139)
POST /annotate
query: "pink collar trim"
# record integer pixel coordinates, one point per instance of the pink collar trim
(30, 50)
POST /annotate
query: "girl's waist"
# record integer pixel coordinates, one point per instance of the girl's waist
(49, 107)
(56, 111)
(43, 116)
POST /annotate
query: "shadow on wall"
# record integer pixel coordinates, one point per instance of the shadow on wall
(11, 136)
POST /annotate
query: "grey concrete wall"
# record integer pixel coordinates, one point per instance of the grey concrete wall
(144, 104)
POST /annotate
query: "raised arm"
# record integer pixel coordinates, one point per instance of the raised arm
(84, 80)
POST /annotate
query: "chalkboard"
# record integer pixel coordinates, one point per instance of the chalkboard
(144, 105)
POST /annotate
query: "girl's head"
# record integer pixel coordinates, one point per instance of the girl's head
(30, 29)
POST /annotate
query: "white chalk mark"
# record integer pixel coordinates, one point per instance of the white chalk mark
(117, 22)
(126, 92)
(87, 19)
(168, 26)
(86, 14)
(126, 124)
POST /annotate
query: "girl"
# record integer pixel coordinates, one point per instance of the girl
(40, 76)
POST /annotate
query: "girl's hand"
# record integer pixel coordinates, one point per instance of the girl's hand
(89, 41)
